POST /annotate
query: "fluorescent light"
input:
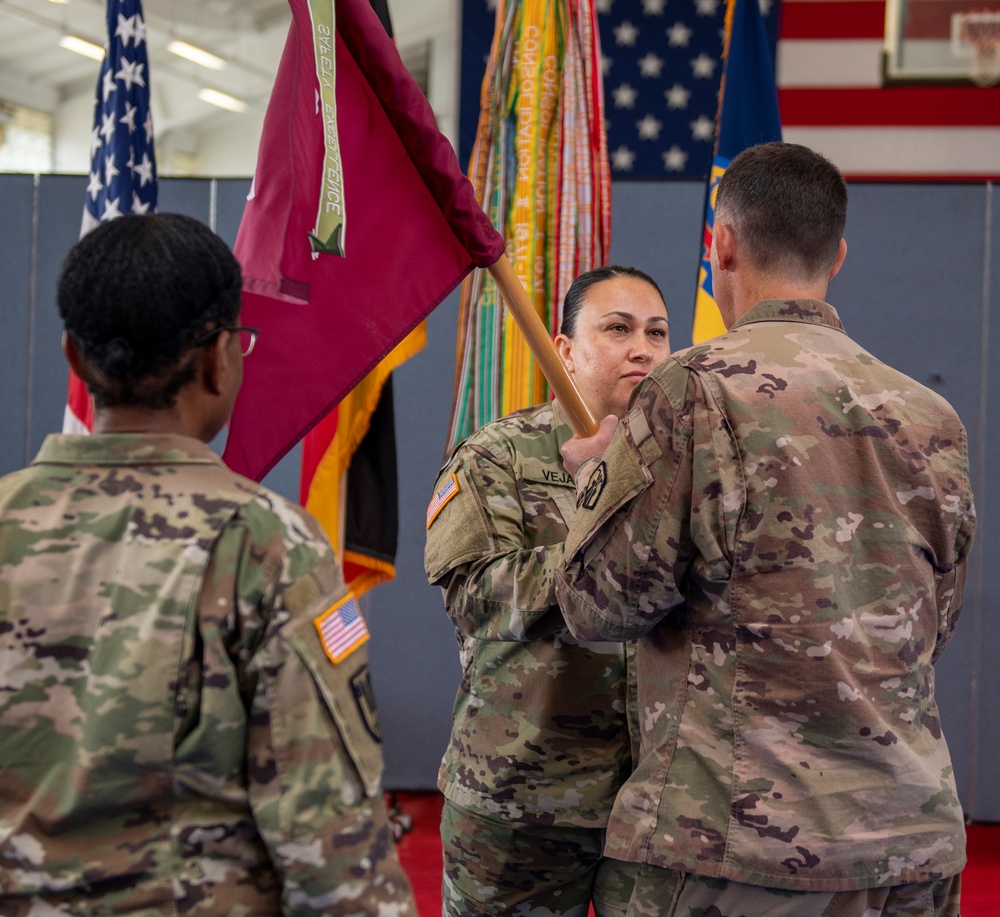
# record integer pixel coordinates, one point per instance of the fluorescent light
(86, 48)
(221, 100)
(196, 55)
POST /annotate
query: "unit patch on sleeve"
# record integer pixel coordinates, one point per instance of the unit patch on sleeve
(595, 487)
(361, 686)
(445, 492)
(341, 629)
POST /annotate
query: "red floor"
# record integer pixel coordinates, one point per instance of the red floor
(420, 852)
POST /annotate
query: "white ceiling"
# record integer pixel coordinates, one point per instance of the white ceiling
(248, 34)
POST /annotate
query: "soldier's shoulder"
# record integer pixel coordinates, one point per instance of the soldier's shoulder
(520, 431)
(23, 478)
(268, 514)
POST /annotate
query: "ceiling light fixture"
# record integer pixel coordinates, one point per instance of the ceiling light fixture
(196, 55)
(221, 100)
(79, 46)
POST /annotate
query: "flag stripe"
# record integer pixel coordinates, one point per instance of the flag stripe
(838, 19)
(931, 20)
(915, 106)
(830, 63)
(913, 152)
(834, 98)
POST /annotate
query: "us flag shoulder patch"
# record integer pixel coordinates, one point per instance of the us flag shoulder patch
(341, 629)
(445, 492)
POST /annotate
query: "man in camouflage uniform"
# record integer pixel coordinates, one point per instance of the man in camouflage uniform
(783, 522)
(186, 723)
(540, 741)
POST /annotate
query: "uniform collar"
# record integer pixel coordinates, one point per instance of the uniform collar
(125, 449)
(563, 430)
(809, 311)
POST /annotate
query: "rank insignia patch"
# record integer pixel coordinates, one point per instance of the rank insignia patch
(445, 492)
(341, 629)
(595, 487)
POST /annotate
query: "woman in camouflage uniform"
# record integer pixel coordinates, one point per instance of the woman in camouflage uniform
(185, 721)
(540, 739)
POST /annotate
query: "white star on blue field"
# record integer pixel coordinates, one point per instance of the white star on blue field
(662, 65)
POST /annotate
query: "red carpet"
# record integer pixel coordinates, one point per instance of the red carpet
(420, 852)
(981, 879)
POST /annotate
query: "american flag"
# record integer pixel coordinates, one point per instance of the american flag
(123, 165)
(341, 629)
(662, 67)
(834, 98)
(445, 492)
(832, 92)
(662, 64)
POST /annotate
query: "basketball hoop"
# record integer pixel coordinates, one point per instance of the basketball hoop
(977, 34)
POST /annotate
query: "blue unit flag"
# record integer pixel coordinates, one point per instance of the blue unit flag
(748, 115)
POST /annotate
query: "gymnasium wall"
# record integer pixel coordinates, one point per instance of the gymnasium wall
(915, 290)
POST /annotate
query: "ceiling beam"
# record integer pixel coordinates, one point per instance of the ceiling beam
(14, 88)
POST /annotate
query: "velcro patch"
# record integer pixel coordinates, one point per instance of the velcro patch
(445, 492)
(341, 629)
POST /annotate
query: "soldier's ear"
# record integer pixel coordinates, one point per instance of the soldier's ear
(725, 244)
(73, 357)
(213, 362)
(564, 347)
(839, 263)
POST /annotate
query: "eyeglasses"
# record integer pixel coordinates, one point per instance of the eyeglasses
(248, 337)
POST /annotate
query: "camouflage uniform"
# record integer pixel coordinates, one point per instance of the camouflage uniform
(783, 520)
(174, 737)
(540, 740)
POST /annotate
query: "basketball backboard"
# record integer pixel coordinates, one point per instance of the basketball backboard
(942, 41)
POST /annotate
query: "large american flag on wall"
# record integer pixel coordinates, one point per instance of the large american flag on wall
(832, 98)
(661, 81)
(662, 64)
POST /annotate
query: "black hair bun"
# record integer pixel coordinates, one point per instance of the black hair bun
(119, 358)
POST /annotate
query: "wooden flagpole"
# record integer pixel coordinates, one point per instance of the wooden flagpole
(542, 348)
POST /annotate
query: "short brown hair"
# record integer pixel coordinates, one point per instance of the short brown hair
(787, 206)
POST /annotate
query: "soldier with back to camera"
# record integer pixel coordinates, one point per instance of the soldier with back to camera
(186, 722)
(782, 522)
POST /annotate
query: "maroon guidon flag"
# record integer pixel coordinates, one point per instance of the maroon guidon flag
(394, 202)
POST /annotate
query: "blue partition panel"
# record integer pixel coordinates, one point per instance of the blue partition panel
(18, 243)
(915, 290)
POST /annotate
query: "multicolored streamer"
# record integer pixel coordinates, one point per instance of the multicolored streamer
(540, 170)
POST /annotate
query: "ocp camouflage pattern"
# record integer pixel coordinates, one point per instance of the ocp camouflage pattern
(173, 740)
(492, 866)
(784, 524)
(540, 732)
